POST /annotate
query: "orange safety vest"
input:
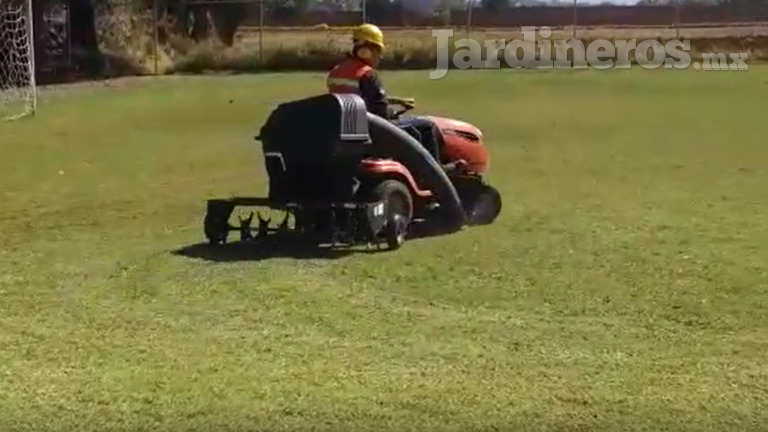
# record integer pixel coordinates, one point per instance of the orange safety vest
(345, 77)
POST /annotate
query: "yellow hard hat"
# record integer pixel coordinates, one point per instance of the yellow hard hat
(368, 33)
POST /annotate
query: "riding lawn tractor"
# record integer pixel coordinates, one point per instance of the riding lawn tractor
(348, 177)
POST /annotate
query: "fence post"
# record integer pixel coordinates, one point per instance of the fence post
(470, 6)
(575, 17)
(365, 11)
(677, 19)
(70, 64)
(261, 32)
(155, 33)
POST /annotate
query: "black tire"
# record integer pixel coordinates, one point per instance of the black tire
(483, 206)
(216, 230)
(398, 210)
(395, 231)
(216, 223)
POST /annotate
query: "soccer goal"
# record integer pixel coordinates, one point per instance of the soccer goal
(18, 92)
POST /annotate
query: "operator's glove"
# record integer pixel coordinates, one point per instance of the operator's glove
(409, 103)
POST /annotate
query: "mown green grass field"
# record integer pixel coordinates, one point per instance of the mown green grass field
(623, 288)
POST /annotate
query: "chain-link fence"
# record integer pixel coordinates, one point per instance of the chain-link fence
(156, 36)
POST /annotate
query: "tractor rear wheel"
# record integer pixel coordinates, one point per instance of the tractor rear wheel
(398, 210)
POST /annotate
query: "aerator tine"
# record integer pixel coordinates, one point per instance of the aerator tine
(284, 224)
(264, 225)
(245, 227)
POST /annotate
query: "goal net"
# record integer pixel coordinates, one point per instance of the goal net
(18, 93)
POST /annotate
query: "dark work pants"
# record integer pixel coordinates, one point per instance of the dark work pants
(424, 132)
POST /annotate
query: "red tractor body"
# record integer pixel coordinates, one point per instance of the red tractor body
(462, 141)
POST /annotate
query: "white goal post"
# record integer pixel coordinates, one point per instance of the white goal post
(18, 90)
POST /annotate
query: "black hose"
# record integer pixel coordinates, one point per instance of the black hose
(417, 159)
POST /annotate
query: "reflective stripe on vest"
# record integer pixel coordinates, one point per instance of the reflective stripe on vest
(345, 77)
(343, 82)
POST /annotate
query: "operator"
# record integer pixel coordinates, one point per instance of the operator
(357, 74)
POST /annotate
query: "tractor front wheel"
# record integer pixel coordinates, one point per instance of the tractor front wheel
(398, 211)
(483, 205)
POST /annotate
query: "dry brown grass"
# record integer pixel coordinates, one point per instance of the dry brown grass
(317, 48)
(397, 33)
(129, 38)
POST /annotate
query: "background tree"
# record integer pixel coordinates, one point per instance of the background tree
(82, 23)
(495, 5)
(378, 11)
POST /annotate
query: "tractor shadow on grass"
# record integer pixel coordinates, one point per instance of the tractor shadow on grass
(260, 251)
(275, 247)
